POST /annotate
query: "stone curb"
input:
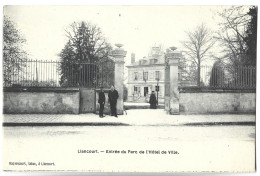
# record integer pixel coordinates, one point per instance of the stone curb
(220, 123)
(14, 124)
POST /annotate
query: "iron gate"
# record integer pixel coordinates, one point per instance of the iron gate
(43, 73)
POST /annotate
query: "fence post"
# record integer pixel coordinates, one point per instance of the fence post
(173, 101)
(119, 55)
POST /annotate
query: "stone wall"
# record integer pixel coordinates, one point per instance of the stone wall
(48, 101)
(217, 102)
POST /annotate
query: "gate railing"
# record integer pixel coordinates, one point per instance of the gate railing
(243, 77)
(43, 73)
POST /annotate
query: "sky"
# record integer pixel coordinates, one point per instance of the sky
(137, 27)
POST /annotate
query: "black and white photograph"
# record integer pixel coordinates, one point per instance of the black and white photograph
(120, 88)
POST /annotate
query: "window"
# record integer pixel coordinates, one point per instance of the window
(135, 76)
(157, 88)
(157, 75)
(138, 89)
(145, 76)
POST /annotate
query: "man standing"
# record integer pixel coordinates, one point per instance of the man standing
(112, 97)
(101, 101)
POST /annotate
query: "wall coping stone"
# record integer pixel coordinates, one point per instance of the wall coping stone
(148, 65)
(214, 90)
(41, 89)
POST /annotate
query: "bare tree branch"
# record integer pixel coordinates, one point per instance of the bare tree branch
(199, 43)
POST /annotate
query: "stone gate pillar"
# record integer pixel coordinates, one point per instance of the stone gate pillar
(119, 55)
(173, 97)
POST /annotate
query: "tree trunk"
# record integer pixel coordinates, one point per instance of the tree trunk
(198, 78)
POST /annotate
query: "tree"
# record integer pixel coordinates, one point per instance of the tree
(188, 72)
(236, 36)
(197, 47)
(217, 77)
(251, 37)
(13, 54)
(85, 58)
(67, 55)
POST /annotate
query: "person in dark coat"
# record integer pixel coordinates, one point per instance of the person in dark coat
(101, 101)
(112, 98)
(153, 101)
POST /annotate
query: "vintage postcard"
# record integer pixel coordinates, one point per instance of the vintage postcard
(129, 89)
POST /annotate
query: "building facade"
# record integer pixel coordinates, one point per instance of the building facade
(147, 75)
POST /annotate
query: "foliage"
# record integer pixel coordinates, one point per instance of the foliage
(237, 36)
(86, 51)
(13, 54)
(217, 75)
(251, 37)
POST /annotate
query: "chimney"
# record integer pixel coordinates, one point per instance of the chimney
(132, 58)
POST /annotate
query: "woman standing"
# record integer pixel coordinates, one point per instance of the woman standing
(153, 101)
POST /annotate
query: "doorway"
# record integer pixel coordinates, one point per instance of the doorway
(145, 91)
(87, 100)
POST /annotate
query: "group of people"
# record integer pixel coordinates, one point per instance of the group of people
(112, 99)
